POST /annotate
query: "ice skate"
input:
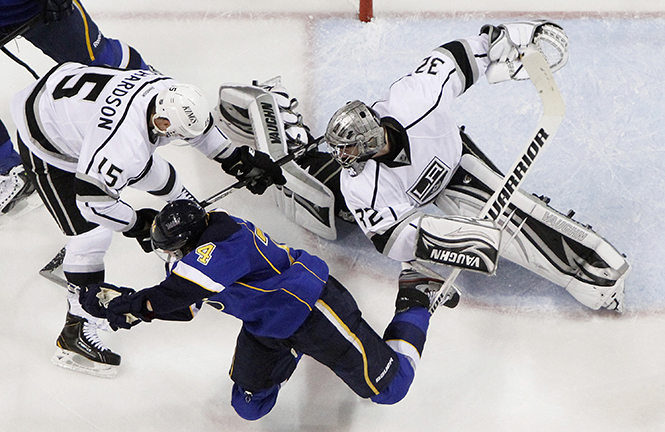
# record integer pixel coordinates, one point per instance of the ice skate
(419, 286)
(14, 187)
(81, 350)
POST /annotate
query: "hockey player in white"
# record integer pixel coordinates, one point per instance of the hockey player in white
(406, 151)
(86, 133)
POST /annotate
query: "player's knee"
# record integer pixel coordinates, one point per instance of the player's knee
(253, 405)
(400, 384)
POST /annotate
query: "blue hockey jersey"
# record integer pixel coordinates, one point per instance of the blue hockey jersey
(240, 270)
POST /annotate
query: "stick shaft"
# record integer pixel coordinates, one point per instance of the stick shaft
(553, 112)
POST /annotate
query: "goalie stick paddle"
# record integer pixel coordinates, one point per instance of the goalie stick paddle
(553, 112)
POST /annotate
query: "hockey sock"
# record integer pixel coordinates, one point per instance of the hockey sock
(253, 405)
(118, 54)
(9, 158)
(407, 332)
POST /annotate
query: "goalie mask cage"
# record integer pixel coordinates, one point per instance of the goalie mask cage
(365, 10)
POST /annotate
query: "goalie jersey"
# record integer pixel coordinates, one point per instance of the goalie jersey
(240, 270)
(425, 146)
(94, 122)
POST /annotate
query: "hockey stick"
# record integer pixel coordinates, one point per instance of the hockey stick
(55, 263)
(553, 112)
(48, 270)
(16, 33)
(242, 183)
(21, 29)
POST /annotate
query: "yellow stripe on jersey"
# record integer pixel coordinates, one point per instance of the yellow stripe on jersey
(259, 249)
(275, 290)
(196, 276)
(307, 268)
(87, 31)
(348, 335)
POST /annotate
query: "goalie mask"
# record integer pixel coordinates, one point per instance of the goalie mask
(354, 134)
(177, 228)
(185, 107)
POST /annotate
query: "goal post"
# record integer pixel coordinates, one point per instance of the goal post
(366, 11)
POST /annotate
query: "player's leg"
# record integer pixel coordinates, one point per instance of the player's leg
(79, 347)
(76, 37)
(407, 332)
(336, 335)
(260, 367)
(14, 183)
(539, 238)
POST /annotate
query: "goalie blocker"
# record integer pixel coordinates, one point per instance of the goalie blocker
(540, 238)
(262, 116)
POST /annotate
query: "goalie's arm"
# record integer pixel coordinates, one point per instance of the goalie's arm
(392, 230)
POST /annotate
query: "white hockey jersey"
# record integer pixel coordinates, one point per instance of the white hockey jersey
(426, 147)
(93, 121)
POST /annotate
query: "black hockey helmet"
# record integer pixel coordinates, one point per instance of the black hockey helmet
(178, 227)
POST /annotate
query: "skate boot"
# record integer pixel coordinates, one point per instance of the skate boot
(14, 187)
(81, 350)
(420, 286)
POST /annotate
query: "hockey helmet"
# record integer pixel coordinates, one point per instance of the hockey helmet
(177, 228)
(354, 134)
(185, 107)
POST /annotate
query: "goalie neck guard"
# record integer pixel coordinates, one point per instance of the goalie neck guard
(354, 134)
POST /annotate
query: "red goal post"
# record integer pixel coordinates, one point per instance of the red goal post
(366, 11)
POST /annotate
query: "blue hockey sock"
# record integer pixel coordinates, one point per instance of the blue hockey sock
(253, 405)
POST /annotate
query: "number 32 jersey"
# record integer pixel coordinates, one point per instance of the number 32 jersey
(93, 121)
(425, 147)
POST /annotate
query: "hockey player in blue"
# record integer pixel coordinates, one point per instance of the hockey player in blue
(63, 30)
(289, 304)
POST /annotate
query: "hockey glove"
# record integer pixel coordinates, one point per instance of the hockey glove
(95, 298)
(55, 10)
(254, 167)
(141, 229)
(128, 310)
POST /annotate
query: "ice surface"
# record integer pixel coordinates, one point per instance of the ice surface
(518, 354)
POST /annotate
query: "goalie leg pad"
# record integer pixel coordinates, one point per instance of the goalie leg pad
(468, 243)
(542, 239)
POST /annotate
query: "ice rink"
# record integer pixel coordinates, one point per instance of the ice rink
(517, 355)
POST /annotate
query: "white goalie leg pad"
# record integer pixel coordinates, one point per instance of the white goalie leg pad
(303, 199)
(542, 239)
(468, 243)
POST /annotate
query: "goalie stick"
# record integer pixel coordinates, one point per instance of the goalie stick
(553, 112)
(48, 271)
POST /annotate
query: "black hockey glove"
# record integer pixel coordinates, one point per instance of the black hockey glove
(55, 10)
(141, 229)
(126, 311)
(96, 297)
(255, 167)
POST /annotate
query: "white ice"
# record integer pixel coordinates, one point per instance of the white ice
(518, 354)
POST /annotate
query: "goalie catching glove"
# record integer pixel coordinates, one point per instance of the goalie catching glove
(254, 167)
(507, 42)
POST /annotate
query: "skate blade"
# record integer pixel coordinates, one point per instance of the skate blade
(78, 363)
